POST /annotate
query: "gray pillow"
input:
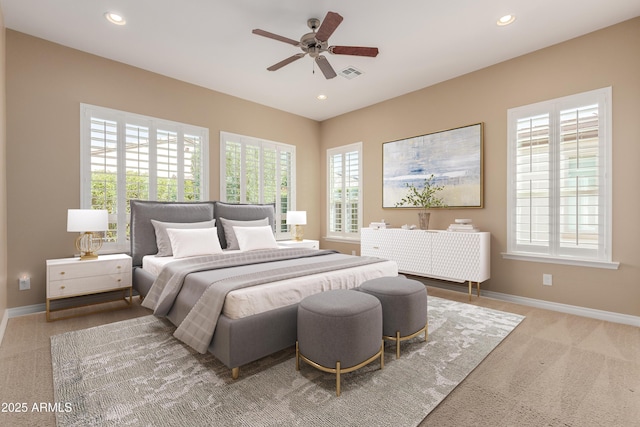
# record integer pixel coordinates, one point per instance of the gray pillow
(162, 237)
(230, 235)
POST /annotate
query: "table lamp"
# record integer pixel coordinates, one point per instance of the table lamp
(89, 222)
(296, 219)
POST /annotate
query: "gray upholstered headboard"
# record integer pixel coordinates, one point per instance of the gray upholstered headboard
(143, 235)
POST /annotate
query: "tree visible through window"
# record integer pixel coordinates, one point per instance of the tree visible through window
(127, 156)
(254, 170)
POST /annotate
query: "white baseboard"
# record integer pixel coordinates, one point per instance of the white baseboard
(26, 309)
(609, 316)
(3, 324)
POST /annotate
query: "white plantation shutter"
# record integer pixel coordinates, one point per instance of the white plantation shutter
(127, 156)
(167, 165)
(254, 170)
(344, 172)
(559, 186)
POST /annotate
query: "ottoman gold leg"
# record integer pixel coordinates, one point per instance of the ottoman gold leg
(338, 379)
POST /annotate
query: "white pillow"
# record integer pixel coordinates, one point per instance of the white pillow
(162, 238)
(187, 242)
(230, 236)
(252, 238)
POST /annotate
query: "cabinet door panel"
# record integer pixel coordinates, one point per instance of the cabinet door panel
(377, 243)
(457, 256)
(412, 251)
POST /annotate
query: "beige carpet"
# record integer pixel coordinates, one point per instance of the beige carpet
(504, 390)
(135, 373)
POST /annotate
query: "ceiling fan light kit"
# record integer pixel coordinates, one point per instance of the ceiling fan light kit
(316, 43)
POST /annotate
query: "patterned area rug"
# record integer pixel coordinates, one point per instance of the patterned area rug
(135, 373)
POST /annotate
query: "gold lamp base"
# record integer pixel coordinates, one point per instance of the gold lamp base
(88, 244)
(296, 233)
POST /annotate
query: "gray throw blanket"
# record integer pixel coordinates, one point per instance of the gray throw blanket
(197, 329)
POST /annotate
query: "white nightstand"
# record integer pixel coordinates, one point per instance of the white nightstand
(71, 277)
(309, 244)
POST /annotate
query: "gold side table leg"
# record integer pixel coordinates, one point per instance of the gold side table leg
(470, 287)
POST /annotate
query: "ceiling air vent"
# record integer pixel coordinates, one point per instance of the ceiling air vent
(350, 73)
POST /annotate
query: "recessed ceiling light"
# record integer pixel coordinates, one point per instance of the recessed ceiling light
(506, 20)
(115, 18)
(322, 97)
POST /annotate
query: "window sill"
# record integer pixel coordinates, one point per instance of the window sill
(351, 240)
(609, 265)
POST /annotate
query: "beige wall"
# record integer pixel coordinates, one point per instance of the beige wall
(3, 175)
(47, 82)
(605, 58)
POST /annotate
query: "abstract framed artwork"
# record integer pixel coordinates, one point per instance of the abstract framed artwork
(454, 157)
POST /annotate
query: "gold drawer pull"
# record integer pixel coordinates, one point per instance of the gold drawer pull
(376, 247)
(119, 280)
(119, 267)
(62, 273)
(62, 287)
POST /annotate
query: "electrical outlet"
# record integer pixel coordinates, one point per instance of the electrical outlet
(25, 283)
(547, 279)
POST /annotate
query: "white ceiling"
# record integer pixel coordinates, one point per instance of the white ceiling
(209, 42)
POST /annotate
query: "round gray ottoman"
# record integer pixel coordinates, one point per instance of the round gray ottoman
(404, 307)
(339, 331)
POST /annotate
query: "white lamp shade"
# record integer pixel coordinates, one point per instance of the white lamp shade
(81, 220)
(296, 217)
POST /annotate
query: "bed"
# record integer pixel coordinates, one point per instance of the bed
(257, 309)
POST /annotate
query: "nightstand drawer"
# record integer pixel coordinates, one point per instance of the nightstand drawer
(82, 286)
(79, 269)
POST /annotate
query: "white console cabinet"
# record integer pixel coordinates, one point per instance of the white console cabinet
(454, 256)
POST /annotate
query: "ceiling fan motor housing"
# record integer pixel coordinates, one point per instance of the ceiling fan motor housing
(313, 46)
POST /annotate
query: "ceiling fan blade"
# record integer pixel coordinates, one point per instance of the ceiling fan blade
(325, 67)
(269, 35)
(328, 26)
(354, 50)
(287, 61)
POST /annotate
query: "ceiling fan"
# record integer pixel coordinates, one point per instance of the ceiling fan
(317, 42)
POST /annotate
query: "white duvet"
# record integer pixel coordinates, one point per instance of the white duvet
(257, 299)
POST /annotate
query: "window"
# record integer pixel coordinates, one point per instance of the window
(127, 156)
(254, 170)
(344, 172)
(559, 185)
